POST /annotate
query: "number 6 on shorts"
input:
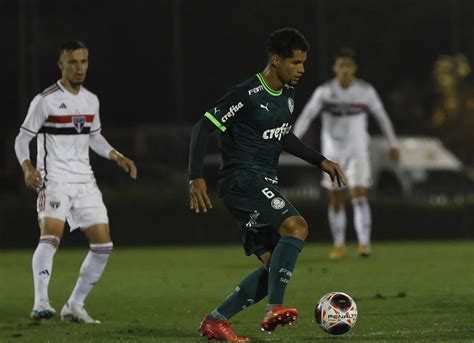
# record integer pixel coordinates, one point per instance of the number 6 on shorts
(268, 193)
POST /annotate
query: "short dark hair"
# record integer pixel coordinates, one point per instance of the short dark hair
(345, 52)
(283, 41)
(71, 46)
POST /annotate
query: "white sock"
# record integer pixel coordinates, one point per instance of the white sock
(362, 219)
(91, 270)
(337, 223)
(42, 265)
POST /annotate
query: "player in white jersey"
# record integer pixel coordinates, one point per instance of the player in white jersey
(344, 103)
(65, 120)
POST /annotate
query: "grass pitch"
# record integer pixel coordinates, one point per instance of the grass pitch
(405, 292)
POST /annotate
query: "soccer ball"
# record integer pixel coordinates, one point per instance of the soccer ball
(336, 313)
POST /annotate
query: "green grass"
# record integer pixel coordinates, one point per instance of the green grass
(406, 292)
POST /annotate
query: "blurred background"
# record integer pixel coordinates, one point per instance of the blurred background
(158, 65)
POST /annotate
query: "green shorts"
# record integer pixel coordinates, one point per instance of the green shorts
(259, 207)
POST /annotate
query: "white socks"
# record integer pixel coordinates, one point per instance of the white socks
(43, 266)
(362, 222)
(337, 223)
(91, 270)
(362, 219)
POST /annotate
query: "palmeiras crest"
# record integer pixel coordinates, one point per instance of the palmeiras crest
(291, 105)
(79, 122)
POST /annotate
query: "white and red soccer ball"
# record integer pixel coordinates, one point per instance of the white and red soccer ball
(336, 313)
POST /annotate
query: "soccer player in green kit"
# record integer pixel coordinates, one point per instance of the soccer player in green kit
(255, 119)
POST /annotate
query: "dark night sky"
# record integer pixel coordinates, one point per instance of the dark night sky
(133, 66)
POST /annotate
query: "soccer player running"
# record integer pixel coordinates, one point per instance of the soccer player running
(344, 103)
(254, 119)
(65, 120)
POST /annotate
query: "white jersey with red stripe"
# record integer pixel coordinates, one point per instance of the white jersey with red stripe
(344, 118)
(62, 122)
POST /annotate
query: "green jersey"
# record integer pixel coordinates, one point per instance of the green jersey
(253, 120)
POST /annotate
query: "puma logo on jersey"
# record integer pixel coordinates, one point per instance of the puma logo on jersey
(277, 132)
(63, 105)
(265, 107)
(232, 111)
(216, 110)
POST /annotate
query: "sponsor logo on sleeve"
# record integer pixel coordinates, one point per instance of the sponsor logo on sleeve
(232, 111)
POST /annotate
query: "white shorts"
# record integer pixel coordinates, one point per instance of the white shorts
(357, 172)
(80, 204)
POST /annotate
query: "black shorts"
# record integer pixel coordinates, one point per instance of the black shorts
(259, 207)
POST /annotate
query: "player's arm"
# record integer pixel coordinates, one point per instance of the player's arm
(310, 112)
(227, 109)
(198, 198)
(378, 111)
(294, 146)
(32, 177)
(124, 162)
(34, 120)
(101, 147)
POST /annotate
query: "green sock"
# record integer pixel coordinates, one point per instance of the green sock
(250, 291)
(282, 264)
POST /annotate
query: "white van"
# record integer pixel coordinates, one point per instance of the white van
(427, 169)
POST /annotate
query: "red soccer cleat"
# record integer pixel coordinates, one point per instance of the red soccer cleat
(219, 330)
(278, 315)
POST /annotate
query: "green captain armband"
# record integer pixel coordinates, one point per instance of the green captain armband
(215, 121)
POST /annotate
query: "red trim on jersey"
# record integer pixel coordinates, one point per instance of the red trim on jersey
(66, 119)
(337, 104)
(357, 105)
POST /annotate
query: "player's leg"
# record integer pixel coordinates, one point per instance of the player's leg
(91, 270)
(337, 222)
(362, 219)
(90, 214)
(52, 205)
(245, 200)
(293, 231)
(360, 180)
(250, 290)
(42, 264)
